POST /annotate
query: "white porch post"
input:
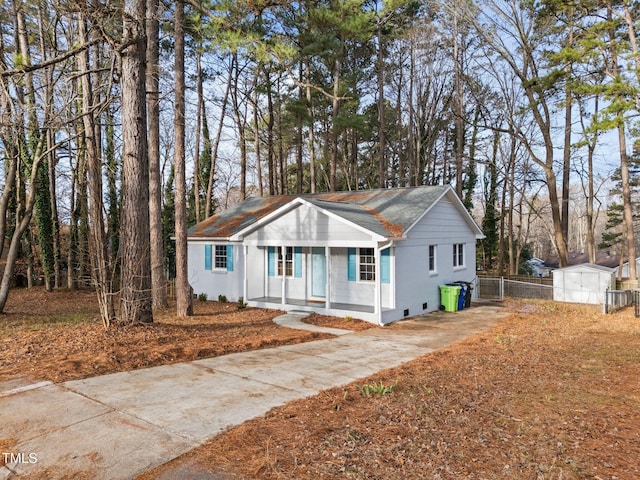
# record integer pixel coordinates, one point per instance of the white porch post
(283, 251)
(245, 281)
(327, 283)
(377, 297)
(265, 281)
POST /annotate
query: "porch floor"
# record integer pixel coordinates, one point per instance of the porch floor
(316, 304)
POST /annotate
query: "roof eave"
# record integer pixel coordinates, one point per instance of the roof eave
(239, 236)
(448, 191)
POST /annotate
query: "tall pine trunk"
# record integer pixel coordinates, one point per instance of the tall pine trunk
(97, 245)
(136, 305)
(184, 297)
(158, 282)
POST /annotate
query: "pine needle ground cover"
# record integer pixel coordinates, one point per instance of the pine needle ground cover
(552, 392)
(58, 336)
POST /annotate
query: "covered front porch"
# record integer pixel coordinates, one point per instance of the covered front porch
(314, 305)
(361, 312)
(326, 280)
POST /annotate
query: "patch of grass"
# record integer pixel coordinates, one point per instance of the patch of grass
(369, 389)
(505, 339)
(39, 323)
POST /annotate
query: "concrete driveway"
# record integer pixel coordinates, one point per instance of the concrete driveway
(120, 425)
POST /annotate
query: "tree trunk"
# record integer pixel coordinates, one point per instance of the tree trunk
(626, 201)
(256, 126)
(97, 245)
(184, 297)
(271, 160)
(196, 156)
(158, 280)
(624, 159)
(216, 144)
(382, 161)
(22, 223)
(136, 304)
(566, 158)
(335, 109)
(312, 147)
(459, 108)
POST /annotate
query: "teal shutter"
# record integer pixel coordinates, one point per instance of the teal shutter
(385, 265)
(271, 261)
(297, 262)
(229, 258)
(351, 264)
(207, 257)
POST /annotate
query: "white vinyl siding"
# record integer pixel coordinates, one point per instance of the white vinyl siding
(307, 227)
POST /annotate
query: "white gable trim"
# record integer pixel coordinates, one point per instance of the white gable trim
(459, 207)
(292, 205)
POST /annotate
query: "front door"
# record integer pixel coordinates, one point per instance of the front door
(318, 272)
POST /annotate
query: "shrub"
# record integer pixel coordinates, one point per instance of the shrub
(241, 303)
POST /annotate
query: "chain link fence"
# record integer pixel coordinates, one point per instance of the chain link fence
(496, 288)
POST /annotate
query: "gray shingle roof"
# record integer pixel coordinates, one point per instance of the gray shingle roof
(386, 212)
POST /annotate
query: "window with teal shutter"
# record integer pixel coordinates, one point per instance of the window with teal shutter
(229, 258)
(351, 264)
(271, 261)
(207, 257)
(385, 265)
(297, 262)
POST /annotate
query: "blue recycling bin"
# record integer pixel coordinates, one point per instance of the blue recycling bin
(461, 297)
(468, 287)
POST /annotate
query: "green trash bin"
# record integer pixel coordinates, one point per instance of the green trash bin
(449, 295)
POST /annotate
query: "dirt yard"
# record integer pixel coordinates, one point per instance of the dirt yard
(58, 336)
(552, 392)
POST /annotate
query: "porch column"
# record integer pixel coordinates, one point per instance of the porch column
(245, 281)
(327, 283)
(283, 251)
(377, 297)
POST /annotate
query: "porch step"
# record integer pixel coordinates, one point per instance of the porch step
(293, 319)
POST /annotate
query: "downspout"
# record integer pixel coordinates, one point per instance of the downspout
(378, 299)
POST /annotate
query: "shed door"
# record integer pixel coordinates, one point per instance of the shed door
(318, 272)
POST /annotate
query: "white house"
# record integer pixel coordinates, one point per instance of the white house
(625, 269)
(377, 255)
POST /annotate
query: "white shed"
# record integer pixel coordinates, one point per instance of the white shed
(585, 283)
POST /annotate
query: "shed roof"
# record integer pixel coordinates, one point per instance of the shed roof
(386, 212)
(587, 266)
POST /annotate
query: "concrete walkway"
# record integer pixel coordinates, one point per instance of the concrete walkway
(294, 320)
(120, 425)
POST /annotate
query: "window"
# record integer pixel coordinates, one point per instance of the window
(285, 264)
(432, 259)
(367, 266)
(458, 255)
(220, 260)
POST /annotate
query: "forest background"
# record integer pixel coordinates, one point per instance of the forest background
(124, 122)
